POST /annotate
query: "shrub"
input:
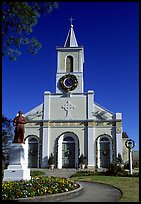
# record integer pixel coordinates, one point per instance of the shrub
(135, 164)
(114, 170)
(119, 159)
(51, 159)
(82, 159)
(126, 165)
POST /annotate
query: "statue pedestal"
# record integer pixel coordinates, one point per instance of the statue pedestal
(18, 165)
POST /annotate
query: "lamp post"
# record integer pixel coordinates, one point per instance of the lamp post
(130, 144)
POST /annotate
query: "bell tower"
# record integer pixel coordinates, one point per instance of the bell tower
(70, 60)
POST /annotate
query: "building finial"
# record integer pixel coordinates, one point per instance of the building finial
(71, 19)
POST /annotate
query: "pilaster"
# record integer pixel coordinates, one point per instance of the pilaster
(90, 104)
(91, 155)
(45, 147)
(119, 148)
(47, 95)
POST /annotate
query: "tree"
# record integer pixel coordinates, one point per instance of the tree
(7, 135)
(18, 20)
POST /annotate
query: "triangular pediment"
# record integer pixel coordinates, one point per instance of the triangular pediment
(35, 114)
(101, 113)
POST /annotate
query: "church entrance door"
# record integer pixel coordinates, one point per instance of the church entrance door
(68, 152)
(104, 152)
(33, 153)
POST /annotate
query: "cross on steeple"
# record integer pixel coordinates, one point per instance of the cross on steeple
(71, 39)
(71, 19)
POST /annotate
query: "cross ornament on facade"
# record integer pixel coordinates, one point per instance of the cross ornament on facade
(68, 107)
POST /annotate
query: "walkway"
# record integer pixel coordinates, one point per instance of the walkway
(92, 192)
(96, 192)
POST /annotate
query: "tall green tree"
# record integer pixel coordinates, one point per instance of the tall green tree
(7, 136)
(18, 20)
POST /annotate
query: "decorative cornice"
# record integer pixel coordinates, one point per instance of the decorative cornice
(75, 120)
(72, 124)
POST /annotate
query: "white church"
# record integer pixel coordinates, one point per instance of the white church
(69, 122)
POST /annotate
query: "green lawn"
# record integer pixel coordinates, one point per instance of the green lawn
(128, 185)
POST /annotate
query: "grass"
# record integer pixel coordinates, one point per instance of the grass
(128, 185)
(36, 173)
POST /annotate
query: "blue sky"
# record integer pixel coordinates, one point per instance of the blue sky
(109, 33)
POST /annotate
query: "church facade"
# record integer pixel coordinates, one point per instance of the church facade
(69, 122)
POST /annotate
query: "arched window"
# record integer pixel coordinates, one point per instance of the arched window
(68, 138)
(69, 64)
(33, 140)
(104, 139)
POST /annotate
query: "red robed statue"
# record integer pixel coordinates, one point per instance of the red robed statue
(19, 122)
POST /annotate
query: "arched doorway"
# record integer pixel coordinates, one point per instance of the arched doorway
(67, 150)
(104, 151)
(33, 152)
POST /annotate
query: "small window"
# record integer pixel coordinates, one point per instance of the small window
(69, 64)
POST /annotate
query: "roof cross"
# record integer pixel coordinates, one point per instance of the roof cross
(71, 19)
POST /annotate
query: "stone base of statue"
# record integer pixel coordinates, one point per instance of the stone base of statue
(18, 165)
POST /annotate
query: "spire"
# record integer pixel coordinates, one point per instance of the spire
(71, 39)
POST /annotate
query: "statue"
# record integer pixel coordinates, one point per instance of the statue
(19, 122)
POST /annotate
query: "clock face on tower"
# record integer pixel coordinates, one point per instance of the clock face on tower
(68, 82)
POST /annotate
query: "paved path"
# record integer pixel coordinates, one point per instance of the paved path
(96, 192)
(58, 172)
(92, 191)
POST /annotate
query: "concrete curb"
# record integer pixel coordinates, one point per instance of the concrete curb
(54, 197)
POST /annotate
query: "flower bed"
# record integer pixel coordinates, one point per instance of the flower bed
(37, 186)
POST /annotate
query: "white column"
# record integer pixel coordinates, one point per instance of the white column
(45, 138)
(119, 147)
(60, 152)
(119, 143)
(47, 95)
(91, 155)
(90, 104)
(45, 147)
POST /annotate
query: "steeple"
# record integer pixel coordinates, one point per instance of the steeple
(70, 60)
(71, 39)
